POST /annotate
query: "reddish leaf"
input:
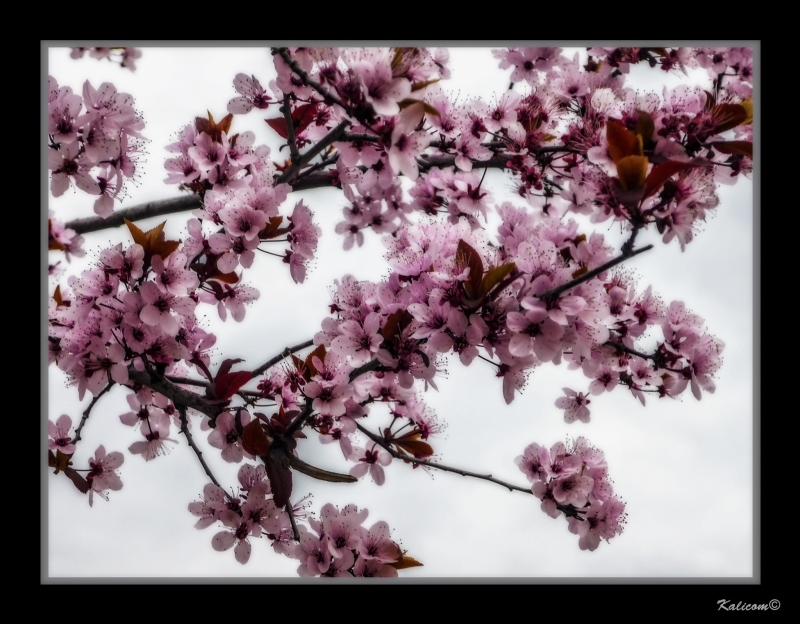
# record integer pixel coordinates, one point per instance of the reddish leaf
(418, 448)
(416, 86)
(213, 129)
(309, 363)
(59, 299)
(621, 141)
(271, 228)
(228, 278)
(396, 323)
(405, 103)
(254, 440)
(62, 461)
(494, 276)
(466, 256)
(227, 364)
(645, 126)
(727, 116)
(301, 367)
(228, 384)
(734, 147)
(302, 116)
(661, 172)
(280, 480)
(632, 171)
(202, 366)
(710, 100)
(77, 479)
(579, 272)
(405, 562)
(153, 242)
(278, 124)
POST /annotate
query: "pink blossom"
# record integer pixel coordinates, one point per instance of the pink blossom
(574, 405)
(372, 461)
(102, 474)
(59, 440)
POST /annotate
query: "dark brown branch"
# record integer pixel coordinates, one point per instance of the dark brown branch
(179, 396)
(88, 410)
(136, 213)
(290, 511)
(282, 355)
(621, 347)
(205, 384)
(286, 109)
(555, 292)
(365, 368)
(428, 162)
(190, 440)
(422, 462)
(294, 168)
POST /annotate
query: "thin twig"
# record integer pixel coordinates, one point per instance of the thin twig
(282, 355)
(422, 462)
(294, 168)
(290, 511)
(555, 292)
(88, 410)
(198, 452)
(621, 347)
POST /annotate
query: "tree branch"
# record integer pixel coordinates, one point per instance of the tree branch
(282, 355)
(190, 440)
(176, 394)
(365, 368)
(555, 292)
(88, 410)
(286, 109)
(621, 347)
(422, 462)
(136, 213)
(290, 511)
(294, 168)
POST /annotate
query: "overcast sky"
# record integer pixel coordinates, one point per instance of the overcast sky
(683, 467)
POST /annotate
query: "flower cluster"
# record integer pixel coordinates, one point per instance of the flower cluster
(95, 142)
(237, 186)
(574, 481)
(337, 545)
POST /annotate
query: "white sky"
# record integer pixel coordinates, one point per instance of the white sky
(684, 468)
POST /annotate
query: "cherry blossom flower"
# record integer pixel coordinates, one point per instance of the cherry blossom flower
(59, 440)
(102, 474)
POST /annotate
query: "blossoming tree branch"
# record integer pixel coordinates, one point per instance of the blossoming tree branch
(379, 125)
